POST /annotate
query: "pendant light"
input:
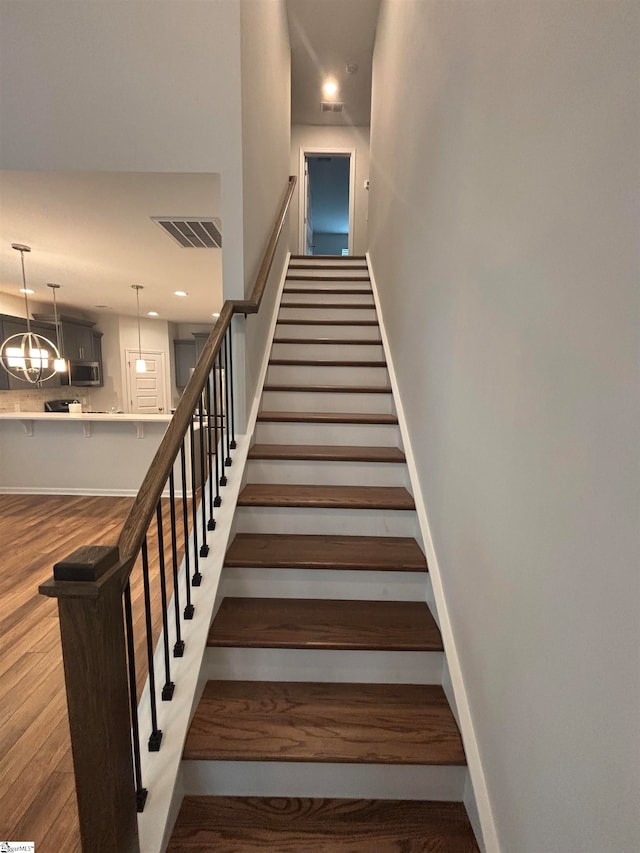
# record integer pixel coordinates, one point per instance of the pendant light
(141, 364)
(28, 356)
(60, 363)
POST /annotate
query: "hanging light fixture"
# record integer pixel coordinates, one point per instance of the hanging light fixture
(60, 363)
(141, 364)
(28, 356)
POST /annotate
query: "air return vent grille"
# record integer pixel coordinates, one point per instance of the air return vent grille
(192, 232)
(331, 107)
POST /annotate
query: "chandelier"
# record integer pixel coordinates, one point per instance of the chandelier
(27, 356)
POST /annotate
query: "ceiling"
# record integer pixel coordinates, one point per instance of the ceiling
(325, 35)
(92, 233)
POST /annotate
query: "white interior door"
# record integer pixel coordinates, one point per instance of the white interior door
(307, 249)
(146, 391)
(305, 230)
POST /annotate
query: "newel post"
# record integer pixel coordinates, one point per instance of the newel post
(88, 587)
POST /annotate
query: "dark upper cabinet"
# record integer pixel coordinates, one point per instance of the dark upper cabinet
(200, 338)
(77, 341)
(185, 359)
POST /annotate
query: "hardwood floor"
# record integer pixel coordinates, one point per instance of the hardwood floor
(37, 790)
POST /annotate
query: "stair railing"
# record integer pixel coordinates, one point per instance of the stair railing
(93, 588)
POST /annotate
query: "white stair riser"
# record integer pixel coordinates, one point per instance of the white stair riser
(339, 665)
(312, 297)
(326, 313)
(365, 435)
(302, 471)
(306, 374)
(342, 352)
(315, 779)
(295, 330)
(324, 521)
(325, 583)
(330, 401)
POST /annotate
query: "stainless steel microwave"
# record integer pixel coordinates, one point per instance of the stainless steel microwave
(82, 373)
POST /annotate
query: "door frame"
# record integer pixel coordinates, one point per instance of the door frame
(313, 151)
(130, 357)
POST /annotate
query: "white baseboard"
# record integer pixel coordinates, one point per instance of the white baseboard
(489, 837)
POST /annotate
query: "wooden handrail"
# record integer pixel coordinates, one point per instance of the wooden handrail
(89, 586)
(144, 505)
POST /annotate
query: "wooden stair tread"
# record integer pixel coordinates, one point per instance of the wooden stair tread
(324, 362)
(315, 277)
(322, 266)
(341, 305)
(328, 417)
(327, 452)
(331, 389)
(311, 623)
(286, 321)
(321, 258)
(331, 341)
(305, 825)
(309, 551)
(352, 291)
(324, 722)
(330, 497)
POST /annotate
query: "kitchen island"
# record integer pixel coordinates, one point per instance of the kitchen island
(92, 453)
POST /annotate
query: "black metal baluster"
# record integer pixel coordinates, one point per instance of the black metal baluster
(214, 383)
(178, 648)
(223, 419)
(204, 549)
(189, 609)
(196, 580)
(155, 738)
(211, 524)
(141, 793)
(227, 461)
(232, 414)
(169, 686)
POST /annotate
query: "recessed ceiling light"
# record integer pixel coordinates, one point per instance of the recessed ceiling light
(216, 314)
(26, 290)
(352, 67)
(102, 306)
(180, 293)
(152, 313)
(329, 88)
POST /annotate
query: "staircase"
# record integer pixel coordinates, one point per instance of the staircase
(323, 724)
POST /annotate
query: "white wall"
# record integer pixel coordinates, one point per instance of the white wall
(141, 86)
(266, 125)
(111, 394)
(310, 136)
(504, 238)
(14, 305)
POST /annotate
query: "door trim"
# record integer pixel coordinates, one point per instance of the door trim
(312, 151)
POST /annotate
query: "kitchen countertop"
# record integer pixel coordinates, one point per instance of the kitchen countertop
(83, 416)
(85, 419)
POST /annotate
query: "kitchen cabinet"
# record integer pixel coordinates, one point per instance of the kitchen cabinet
(77, 341)
(200, 338)
(78, 337)
(185, 360)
